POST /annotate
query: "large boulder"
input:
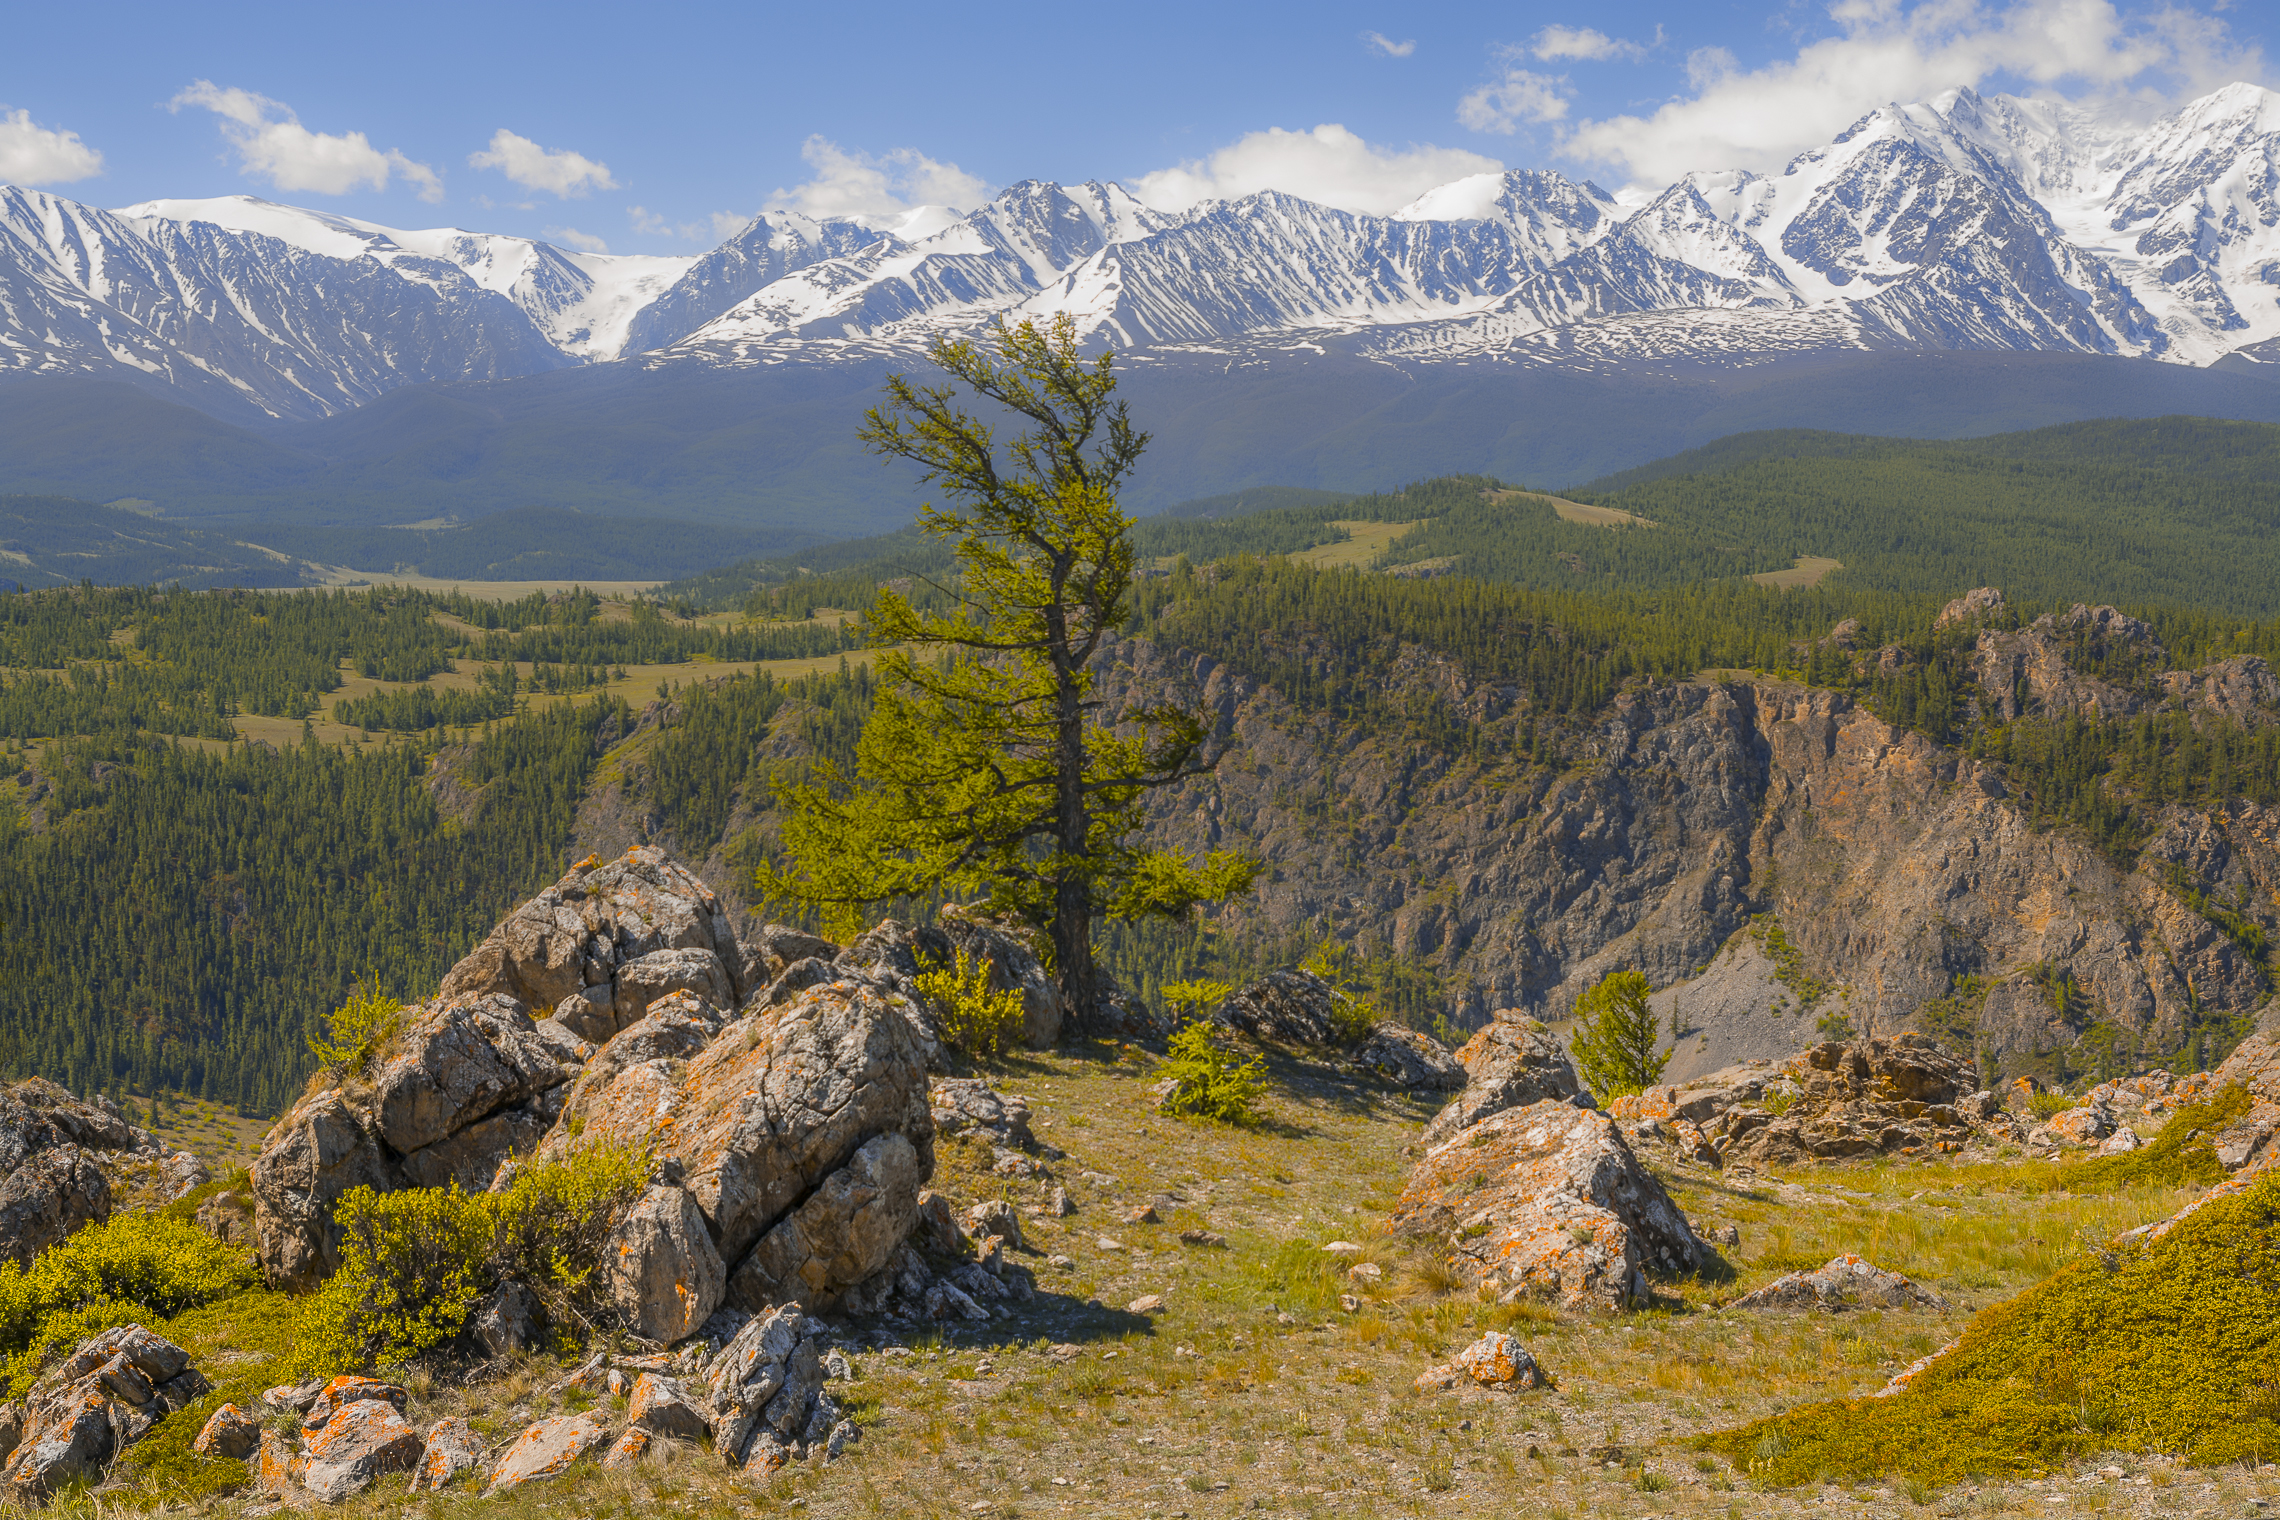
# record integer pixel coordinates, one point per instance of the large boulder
(456, 1061)
(45, 1197)
(87, 1409)
(1548, 1201)
(319, 1151)
(1295, 1007)
(348, 1452)
(66, 1162)
(660, 973)
(1408, 1058)
(665, 1277)
(765, 1391)
(550, 1448)
(1865, 1097)
(846, 1231)
(573, 937)
(1513, 1062)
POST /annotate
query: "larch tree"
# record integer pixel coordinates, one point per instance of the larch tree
(989, 764)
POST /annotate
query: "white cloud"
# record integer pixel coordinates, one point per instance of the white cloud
(862, 188)
(558, 171)
(585, 242)
(36, 155)
(1586, 43)
(1888, 50)
(714, 228)
(1329, 164)
(1520, 98)
(272, 144)
(1379, 42)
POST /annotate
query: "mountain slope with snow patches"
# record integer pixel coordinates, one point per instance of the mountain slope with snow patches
(1961, 223)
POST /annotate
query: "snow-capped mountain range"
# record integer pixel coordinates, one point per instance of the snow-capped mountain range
(1966, 222)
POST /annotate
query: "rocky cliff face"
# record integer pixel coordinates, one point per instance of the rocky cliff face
(1770, 855)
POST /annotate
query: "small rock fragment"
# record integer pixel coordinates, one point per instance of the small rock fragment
(1147, 1303)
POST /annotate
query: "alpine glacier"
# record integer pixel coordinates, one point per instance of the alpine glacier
(1963, 222)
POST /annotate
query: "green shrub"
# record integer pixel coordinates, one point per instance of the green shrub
(1191, 1000)
(1615, 1037)
(137, 1266)
(2044, 1104)
(415, 1263)
(2179, 1156)
(1208, 1081)
(356, 1031)
(973, 1018)
(2160, 1347)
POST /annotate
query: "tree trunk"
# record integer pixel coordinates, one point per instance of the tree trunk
(1072, 823)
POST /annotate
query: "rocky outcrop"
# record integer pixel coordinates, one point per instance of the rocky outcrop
(1548, 1201)
(1874, 1096)
(1512, 1063)
(575, 937)
(64, 1163)
(1295, 1007)
(89, 1408)
(1847, 1282)
(665, 1277)
(1408, 1058)
(766, 1394)
(801, 1128)
(1678, 814)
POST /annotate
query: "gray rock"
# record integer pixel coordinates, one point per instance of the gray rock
(796, 978)
(642, 981)
(461, 1059)
(763, 1387)
(316, 1153)
(771, 1108)
(786, 946)
(591, 1019)
(843, 1233)
(1295, 1007)
(994, 1217)
(1408, 1058)
(1013, 966)
(453, 1447)
(1847, 1282)
(348, 1453)
(1513, 1063)
(660, 1406)
(665, 1277)
(506, 1321)
(472, 1157)
(968, 1105)
(48, 1195)
(548, 1449)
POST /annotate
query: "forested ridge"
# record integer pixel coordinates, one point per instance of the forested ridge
(180, 907)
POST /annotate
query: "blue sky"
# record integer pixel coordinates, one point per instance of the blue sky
(653, 128)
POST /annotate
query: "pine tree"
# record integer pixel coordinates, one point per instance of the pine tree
(1615, 1036)
(987, 764)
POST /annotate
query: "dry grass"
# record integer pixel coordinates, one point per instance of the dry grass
(1803, 575)
(1256, 1392)
(1368, 541)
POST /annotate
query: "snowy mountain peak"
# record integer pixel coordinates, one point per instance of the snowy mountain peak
(1961, 221)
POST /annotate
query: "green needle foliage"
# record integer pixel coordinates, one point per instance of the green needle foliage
(1208, 1082)
(987, 766)
(1615, 1035)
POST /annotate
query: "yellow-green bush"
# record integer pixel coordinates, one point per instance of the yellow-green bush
(355, 1032)
(1208, 1081)
(2180, 1155)
(971, 1017)
(2168, 1347)
(415, 1263)
(137, 1266)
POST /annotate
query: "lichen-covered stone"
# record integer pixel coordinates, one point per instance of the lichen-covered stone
(549, 1448)
(843, 1233)
(665, 1277)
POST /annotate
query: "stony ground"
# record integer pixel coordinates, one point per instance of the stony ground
(1255, 1391)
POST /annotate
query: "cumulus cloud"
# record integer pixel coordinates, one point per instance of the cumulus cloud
(1521, 97)
(272, 144)
(1587, 43)
(558, 171)
(584, 242)
(856, 186)
(1379, 42)
(1887, 50)
(1329, 164)
(31, 154)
